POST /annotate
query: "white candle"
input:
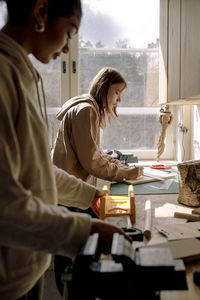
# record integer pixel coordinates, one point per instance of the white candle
(147, 219)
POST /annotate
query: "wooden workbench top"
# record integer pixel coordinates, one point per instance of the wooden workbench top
(162, 216)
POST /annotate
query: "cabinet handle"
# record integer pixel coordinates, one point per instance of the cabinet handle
(64, 67)
(74, 66)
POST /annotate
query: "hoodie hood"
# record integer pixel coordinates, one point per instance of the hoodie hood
(87, 98)
(22, 62)
(12, 49)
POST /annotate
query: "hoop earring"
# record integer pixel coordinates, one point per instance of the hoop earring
(40, 28)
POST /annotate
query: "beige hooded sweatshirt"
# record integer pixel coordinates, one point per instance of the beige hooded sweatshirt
(31, 224)
(77, 146)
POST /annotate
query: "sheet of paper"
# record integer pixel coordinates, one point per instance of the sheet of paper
(158, 173)
(151, 175)
(142, 179)
(168, 209)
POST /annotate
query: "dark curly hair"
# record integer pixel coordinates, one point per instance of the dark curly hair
(18, 11)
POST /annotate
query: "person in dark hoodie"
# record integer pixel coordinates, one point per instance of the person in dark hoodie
(32, 226)
(77, 146)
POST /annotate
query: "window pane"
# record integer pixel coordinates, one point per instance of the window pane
(124, 35)
(134, 130)
(3, 14)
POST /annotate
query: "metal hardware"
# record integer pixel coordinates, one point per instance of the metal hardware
(74, 67)
(64, 67)
(183, 128)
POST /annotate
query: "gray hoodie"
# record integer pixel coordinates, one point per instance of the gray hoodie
(31, 224)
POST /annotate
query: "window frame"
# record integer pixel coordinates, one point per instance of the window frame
(69, 71)
(69, 88)
(188, 116)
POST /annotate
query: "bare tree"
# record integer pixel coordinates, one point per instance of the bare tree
(125, 43)
(99, 44)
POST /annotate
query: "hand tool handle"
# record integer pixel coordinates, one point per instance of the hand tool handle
(190, 217)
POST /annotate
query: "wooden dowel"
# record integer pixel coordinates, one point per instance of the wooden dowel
(196, 211)
(119, 197)
(102, 208)
(147, 219)
(131, 196)
(190, 217)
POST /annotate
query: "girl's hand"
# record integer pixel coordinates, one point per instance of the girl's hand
(100, 193)
(106, 231)
(95, 205)
(135, 172)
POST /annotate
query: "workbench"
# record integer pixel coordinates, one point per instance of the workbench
(193, 293)
(158, 200)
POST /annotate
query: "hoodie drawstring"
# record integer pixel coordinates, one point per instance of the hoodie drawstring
(43, 109)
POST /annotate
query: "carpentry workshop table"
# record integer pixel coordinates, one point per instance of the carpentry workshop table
(157, 201)
(193, 292)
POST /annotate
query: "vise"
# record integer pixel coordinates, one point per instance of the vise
(125, 273)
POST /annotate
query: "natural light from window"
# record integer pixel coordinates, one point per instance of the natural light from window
(125, 35)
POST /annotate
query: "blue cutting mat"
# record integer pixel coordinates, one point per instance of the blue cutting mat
(150, 188)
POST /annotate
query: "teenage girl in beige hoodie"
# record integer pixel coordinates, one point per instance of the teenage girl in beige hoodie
(77, 147)
(32, 226)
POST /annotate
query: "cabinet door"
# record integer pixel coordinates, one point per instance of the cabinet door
(190, 48)
(179, 52)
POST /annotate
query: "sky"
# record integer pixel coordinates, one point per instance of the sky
(2, 13)
(109, 20)
(114, 20)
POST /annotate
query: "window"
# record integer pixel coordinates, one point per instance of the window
(3, 14)
(125, 35)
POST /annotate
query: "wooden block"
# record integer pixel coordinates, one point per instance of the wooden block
(189, 217)
(196, 211)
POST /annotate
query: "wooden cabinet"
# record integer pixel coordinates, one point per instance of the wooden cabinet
(179, 72)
